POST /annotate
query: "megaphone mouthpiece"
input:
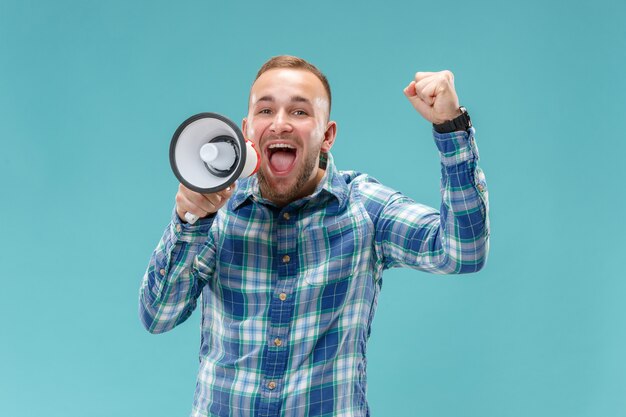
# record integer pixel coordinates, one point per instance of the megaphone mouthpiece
(220, 156)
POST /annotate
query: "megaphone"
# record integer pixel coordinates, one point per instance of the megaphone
(208, 153)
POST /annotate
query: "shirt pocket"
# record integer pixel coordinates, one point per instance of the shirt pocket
(331, 252)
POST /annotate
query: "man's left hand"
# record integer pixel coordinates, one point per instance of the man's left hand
(433, 96)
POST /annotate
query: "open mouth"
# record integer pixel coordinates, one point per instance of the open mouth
(281, 157)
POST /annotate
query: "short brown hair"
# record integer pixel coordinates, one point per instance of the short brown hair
(293, 62)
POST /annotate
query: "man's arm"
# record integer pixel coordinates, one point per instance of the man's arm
(172, 282)
(181, 264)
(455, 239)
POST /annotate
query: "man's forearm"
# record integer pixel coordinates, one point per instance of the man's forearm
(465, 206)
(171, 284)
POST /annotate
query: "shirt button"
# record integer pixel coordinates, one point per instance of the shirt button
(480, 187)
(286, 216)
(278, 342)
(271, 385)
(282, 296)
(178, 228)
(286, 259)
(162, 272)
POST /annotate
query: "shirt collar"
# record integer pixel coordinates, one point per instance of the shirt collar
(332, 184)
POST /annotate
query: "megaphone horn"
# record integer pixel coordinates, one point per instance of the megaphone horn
(208, 153)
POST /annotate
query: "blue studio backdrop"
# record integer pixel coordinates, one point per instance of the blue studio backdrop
(91, 93)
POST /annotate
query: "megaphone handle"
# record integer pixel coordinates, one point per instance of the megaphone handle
(191, 218)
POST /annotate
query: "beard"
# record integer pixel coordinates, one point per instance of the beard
(310, 164)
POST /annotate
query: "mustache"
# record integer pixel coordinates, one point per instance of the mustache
(287, 138)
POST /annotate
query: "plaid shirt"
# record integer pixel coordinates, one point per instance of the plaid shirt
(288, 294)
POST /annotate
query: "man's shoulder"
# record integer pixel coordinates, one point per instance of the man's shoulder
(356, 178)
(366, 186)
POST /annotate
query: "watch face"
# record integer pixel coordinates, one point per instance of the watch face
(465, 117)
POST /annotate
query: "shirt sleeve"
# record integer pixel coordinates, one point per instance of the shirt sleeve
(174, 278)
(453, 240)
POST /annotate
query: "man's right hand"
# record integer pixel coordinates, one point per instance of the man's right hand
(198, 204)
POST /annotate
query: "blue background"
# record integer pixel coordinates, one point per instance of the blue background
(91, 92)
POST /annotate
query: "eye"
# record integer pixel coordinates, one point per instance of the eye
(265, 111)
(300, 113)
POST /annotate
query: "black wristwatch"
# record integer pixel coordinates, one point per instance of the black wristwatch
(462, 122)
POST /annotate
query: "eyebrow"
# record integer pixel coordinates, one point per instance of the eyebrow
(294, 99)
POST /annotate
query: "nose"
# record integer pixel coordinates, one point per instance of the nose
(280, 123)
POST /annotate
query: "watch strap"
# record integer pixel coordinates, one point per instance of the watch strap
(461, 122)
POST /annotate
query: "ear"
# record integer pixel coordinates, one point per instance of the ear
(329, 136)
(244, 126)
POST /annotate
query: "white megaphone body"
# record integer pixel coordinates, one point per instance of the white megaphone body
(208, 153)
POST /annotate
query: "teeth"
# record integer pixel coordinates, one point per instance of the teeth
(280, 145)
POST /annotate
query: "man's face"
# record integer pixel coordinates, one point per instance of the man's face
(288, 122)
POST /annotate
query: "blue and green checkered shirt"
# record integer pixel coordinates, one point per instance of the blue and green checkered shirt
(289, 294)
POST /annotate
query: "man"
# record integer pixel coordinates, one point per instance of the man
(289, 264)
